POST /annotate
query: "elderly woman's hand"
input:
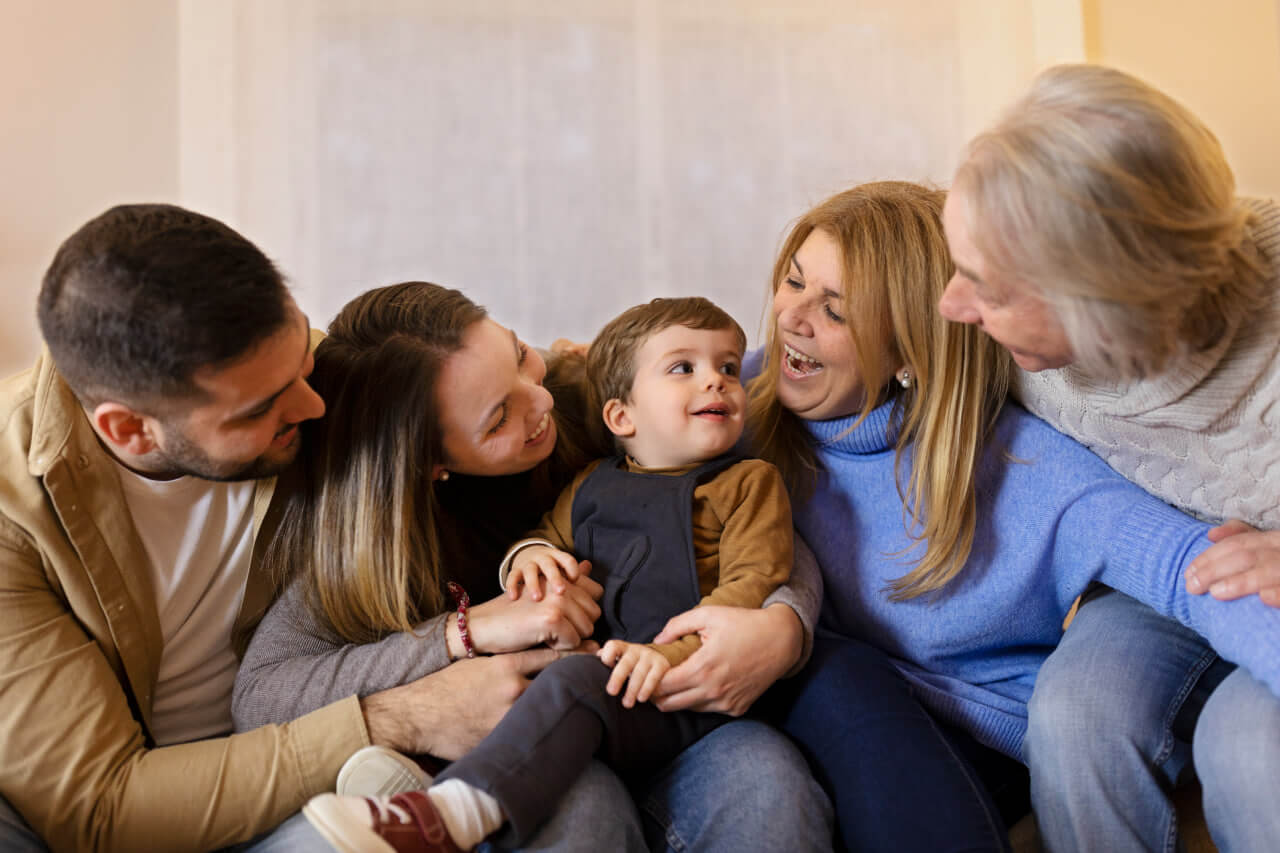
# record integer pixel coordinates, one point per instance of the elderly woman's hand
(743, 652)
(1243, 561)
(561, 620)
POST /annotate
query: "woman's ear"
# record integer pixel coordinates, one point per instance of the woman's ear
(618, 419)
(125, 430)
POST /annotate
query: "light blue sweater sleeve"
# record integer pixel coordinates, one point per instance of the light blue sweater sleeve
(1152, 546)
(1114, 532)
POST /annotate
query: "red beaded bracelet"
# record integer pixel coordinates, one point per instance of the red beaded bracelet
(463, 601)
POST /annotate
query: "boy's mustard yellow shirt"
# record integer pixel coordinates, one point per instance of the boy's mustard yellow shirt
(80, 647)
(742, 537)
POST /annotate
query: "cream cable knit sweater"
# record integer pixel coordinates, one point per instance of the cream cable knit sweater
(1204, 435)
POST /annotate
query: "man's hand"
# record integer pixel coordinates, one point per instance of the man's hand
(635, 665)
(1243, 561)
(743, 652)
(560, 620)
(447, 713)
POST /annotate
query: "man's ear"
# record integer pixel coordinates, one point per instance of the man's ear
(126, 430)
(618, 419)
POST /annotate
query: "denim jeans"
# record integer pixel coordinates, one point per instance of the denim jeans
(1108, 737)
(899, 781)
(743, 787)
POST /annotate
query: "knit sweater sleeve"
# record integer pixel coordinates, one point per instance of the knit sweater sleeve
(1144, 547)
(294, 665)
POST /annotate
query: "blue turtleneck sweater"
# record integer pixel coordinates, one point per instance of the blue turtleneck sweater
(1052, 517)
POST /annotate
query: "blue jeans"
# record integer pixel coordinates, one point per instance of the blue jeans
(742, 787)
(899, 781)
(1113, 711)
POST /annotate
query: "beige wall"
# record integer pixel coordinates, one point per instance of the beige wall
(88, 118)
(557, 159)
(563, 159)
(1221, 59)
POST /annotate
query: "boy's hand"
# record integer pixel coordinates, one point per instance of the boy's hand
(639, 666)
(531, 565)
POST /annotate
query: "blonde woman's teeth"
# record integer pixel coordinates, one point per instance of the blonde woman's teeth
(798, 362)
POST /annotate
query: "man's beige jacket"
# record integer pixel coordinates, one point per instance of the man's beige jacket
(80, 646)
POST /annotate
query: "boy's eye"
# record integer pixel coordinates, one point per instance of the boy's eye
(729, 368)
(524, 353)
(681, 367)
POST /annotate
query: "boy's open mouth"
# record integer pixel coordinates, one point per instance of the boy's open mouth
(713, 411)
(799, 364)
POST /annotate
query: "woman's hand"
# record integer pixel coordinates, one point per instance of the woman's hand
(1243, 561)
(743, 652)
(561, 620)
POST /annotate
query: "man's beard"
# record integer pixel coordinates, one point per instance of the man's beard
(182, 458)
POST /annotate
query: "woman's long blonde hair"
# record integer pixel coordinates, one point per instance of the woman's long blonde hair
(371, 535)
(895, 267)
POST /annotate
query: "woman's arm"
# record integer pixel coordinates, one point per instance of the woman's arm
(744, 651)
(294, 665)
(1148, 550)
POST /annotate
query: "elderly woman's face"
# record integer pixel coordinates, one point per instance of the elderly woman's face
(1008, 310)
(494, 412)
(819, 377)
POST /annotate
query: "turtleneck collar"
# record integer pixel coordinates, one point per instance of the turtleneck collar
(876, 434)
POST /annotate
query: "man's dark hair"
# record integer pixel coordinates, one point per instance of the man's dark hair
(142, 297)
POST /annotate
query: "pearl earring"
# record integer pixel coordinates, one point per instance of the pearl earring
(444, 475)
(904, 377)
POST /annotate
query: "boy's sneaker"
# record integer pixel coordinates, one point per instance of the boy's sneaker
(376, 771)
(405, 823)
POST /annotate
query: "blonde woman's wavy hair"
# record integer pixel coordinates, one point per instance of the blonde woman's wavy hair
(1117, 206)
(895, 267)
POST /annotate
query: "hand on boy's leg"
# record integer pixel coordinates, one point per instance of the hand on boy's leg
(538, 563)
(637, 666)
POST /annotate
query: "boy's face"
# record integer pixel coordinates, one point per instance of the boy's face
(686, 403)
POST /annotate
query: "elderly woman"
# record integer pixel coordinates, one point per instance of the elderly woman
(1097, 236)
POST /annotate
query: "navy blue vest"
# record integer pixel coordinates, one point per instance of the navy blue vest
(637, 531)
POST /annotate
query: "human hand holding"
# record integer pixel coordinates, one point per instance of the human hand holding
(1243, 560)
(743, 652)
(561, 620)
(536, 563)
(448, 712)
(637, 666)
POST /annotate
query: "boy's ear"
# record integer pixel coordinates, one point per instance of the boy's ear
(124, 429)
(618, 419)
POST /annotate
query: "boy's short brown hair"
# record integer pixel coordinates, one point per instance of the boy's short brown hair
(611, 361)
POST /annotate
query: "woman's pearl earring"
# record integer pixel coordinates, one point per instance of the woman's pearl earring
(444, 475)
(905, 377)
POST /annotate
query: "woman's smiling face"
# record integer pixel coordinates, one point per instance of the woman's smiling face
(819, 376)
(495, 416)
